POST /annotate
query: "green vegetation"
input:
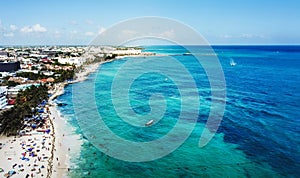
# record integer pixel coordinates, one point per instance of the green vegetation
(62, 76)
(11, 120)
(11, 83)
(34, 68)
(5, 82)
(31, 75)
(65, 75)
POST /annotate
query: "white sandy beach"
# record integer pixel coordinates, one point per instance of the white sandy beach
(52, 151)
(14, 154)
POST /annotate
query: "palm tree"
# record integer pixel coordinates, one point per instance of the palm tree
(12, 120)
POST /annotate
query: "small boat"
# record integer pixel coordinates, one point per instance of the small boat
(149, 122)
(232, 63)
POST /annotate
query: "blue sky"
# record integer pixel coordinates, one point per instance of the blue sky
(59, 22)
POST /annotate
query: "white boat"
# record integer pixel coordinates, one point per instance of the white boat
(232, 63)
(149, 122)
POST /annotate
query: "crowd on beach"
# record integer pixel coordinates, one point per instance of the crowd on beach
(38, 149)
(29, 154)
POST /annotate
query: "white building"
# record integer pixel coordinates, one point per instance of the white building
(3, 99)
(3, 55)
(129, 51)
(5, 74)
(15, 90)
(72, 60)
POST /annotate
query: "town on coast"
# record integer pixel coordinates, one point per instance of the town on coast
(34, 139)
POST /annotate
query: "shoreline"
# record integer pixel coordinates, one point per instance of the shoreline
(66, 140)
(61, 143)
(27, 155)
(88, 69)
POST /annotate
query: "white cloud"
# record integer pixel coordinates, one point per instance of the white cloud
(39, 28)
(9, 34)
(34, 28)
(252, 36)
(26, 29)
(243, 36)
(89, 33)
(13, 27)
(226, 36)
(101, 30)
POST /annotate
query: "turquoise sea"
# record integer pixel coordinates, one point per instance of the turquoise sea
(258, 136)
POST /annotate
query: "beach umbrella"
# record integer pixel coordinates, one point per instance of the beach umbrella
(44, 103)
(30, 149)
(12, 172)
(33, 126)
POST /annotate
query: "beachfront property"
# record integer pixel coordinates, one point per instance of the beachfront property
(126, 51)
(40, 66)
(13, 91)
(33, 58)
(77, 61)
(5, 74)
(21, 67)
(3, 97)
(3, 55)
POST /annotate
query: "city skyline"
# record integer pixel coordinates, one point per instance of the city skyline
(78, 23)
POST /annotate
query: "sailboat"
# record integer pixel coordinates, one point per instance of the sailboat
(232, 63)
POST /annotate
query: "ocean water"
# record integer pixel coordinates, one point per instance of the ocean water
(258, 136)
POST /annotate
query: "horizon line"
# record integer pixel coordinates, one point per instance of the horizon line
(84, 45)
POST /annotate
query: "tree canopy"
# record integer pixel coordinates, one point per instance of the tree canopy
(11, 120)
